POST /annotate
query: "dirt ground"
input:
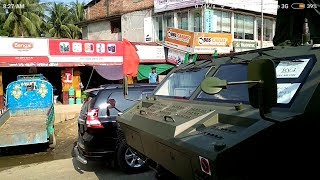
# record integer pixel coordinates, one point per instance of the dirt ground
(36, 162)
(66, 135)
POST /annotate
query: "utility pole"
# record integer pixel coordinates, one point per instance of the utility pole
(261, 38)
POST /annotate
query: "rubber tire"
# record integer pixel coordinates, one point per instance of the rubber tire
(52, 141)
(120, 158)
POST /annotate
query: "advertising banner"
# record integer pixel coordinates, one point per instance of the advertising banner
(175, 57)
(151, 54)
(85, 52)
(242, 45)
(23, 50)
(167, 5)
(147, 30)
(207, 43)
(179, 39)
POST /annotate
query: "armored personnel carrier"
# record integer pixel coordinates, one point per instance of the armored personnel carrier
(250, 115)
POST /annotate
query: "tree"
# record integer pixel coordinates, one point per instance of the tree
(77, 10)
(3, 32)
(23, 19)
(61, 22)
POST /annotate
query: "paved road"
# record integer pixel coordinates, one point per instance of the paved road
(68, 169)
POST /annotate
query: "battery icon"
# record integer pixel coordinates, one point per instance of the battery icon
(298, 5)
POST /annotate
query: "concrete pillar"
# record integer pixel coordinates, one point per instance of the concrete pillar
(1, 92)
(175, 20)
(232, 24)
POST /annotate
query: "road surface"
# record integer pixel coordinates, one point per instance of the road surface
(69, 169)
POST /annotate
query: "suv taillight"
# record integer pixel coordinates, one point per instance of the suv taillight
(93, 120)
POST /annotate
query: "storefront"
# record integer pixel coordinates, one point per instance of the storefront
(184, 46)
(60, 60)
(242, 19)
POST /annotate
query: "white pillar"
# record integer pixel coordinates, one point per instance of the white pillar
(273, 28)
(261, 23)
(175, 20)
(255, 31)
(232, 24)
(190, 20)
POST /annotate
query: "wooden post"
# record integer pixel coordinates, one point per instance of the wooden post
(130, 79)
(1, 92)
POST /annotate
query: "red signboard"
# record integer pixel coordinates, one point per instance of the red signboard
(85, 51)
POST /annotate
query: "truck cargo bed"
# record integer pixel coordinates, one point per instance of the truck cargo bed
(22, 130)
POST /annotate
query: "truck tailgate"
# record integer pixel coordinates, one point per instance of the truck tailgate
(23, 130)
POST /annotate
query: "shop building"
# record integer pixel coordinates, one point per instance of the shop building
(242, 19)
(64, 62)
(130, 19)
(114, 20)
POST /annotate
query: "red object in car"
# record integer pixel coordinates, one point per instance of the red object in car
(93, 120)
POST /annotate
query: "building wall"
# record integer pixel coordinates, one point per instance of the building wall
(100, 31)
(160, 24)
(99, 10)
(132, 25)
(117, 7)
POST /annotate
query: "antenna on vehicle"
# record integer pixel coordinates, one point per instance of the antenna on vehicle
(306, 33)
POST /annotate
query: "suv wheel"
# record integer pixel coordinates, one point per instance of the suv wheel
(128, 160)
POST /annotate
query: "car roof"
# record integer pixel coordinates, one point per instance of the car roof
(95, 91)
(115, 86)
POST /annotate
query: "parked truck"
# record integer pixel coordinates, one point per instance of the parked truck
(28, 115)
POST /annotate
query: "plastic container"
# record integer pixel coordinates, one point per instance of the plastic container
(55, 99)
(71, 100)
(71, 91)
(78, 93)
(78, 101)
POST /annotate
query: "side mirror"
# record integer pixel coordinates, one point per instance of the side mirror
(125, 85)
(111, 103)
(262, 95)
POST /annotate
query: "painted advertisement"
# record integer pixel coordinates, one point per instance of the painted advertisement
(175, 57)
(179, 39)
(207, 43)
(210, 21)
(167, 5)
(151, 54)
(23, 50)
(147, 30)
(83, 51)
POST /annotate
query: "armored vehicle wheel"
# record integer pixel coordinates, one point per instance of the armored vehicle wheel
(127, 159)
(52, 141)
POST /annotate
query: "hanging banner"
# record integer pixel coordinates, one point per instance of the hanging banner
(175, 57)
(23, 50)
(210, 26)
(207, 43)
(179, 39)
(85, 51)
(151, 54)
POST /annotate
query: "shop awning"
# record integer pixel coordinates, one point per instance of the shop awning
(144, 70)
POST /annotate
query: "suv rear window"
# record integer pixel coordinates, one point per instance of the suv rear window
(121, 103)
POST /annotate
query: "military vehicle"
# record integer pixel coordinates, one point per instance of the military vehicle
(248, 115)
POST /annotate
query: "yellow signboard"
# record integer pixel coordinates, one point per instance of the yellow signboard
(207, 43)
(179, 39)
(200, 43)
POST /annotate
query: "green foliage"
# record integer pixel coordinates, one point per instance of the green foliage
(30, 18)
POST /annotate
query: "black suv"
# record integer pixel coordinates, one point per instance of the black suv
(99, 135)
